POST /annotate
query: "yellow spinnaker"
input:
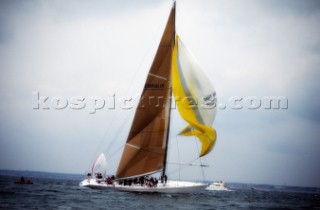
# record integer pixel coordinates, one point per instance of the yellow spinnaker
(187, 87)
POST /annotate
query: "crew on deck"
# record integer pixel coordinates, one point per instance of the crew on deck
(163, 179)
(88, 176)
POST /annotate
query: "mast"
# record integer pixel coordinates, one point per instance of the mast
(167, 140)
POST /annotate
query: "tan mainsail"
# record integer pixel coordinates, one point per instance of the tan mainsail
(145, 149)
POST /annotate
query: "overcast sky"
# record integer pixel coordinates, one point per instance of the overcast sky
(96, 48)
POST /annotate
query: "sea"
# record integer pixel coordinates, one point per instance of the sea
(62, 192)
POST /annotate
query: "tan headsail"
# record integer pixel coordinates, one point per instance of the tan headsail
(145, 149)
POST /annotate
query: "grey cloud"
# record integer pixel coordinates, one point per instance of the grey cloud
(285, 7)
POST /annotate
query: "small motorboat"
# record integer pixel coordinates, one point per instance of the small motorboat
(22, 180)
(219, 185)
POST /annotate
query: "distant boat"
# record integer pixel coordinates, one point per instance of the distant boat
(22, 180)
(98, 170)
(173, 70)
(219, 185)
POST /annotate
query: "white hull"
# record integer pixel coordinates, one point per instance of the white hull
(218, 186)
(169, 187)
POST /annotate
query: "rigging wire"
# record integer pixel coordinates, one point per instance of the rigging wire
(203, 176)
(117, 150)
(184, 165)
(111, 122)
(178, 155)
(189, 164)
(132, 82)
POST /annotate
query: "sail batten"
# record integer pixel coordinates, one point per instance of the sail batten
(157, 76)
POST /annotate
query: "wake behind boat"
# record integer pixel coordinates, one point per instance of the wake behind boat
(174, 70)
